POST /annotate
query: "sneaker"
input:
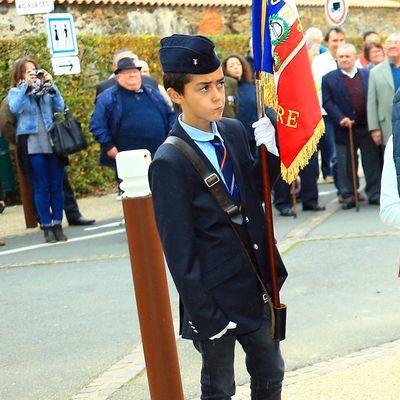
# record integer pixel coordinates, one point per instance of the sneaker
(59, 234)
(329, 179)
(49, 236)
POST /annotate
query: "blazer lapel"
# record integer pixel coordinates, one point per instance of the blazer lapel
(343, 92)
(178, 131)
(387, 73)
(230, 140)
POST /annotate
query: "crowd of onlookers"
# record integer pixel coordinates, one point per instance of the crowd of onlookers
(134, 111)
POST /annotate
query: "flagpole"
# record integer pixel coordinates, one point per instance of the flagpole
(267, 202)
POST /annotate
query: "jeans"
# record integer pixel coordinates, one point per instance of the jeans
(264, 363)
(47, 181)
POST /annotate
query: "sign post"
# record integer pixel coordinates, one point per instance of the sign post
(63, 44)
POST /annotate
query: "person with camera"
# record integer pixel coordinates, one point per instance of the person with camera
(34, 98)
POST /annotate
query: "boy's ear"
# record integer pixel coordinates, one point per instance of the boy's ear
(174, 96)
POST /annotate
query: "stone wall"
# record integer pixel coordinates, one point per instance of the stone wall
(111, 19)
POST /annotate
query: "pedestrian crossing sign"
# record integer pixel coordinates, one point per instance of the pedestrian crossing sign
(61, 34)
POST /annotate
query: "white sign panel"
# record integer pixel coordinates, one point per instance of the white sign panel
(66, 65)
(61, 35)
(336, 11)
(25, 7)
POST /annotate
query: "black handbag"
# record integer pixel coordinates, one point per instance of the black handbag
(65, 134)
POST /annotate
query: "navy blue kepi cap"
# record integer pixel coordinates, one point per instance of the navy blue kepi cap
(188, 54)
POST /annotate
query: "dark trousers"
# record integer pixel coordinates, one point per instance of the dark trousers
(308, 190)
(47, 177)
(264, 363)
(70, 205)
(328, 150)
(370, 159)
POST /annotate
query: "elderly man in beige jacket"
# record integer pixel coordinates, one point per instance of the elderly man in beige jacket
(383, 82)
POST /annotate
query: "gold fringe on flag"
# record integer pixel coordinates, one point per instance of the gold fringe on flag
(303, 157)
(268, 85)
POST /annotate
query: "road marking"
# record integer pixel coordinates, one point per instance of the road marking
(110, 225)
(66, 261)
(77, 239)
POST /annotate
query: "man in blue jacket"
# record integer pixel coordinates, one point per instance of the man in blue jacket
(129, 115)
(344, 96)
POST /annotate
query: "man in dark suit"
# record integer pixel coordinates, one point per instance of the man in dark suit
(210, 256)
(118, 55)
(344, 95)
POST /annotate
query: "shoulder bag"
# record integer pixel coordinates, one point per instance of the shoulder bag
(217, 190)
(65, 134)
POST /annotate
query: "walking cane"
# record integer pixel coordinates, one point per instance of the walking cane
(294, 200)
(279, 317)
(353, 165)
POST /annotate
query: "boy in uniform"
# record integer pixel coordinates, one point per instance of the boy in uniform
(212, 256)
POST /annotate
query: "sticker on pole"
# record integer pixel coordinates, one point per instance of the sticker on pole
(61, 35)
(26, 7)
(66, 65)
(336, 11)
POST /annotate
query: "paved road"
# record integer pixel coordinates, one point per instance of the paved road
(68, 311)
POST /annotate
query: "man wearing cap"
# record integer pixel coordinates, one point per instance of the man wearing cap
(118, 55)
(217, 261)
(129, 115)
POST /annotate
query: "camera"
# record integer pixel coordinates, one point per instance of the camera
(39, 73)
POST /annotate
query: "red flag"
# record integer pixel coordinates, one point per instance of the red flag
(281, 54)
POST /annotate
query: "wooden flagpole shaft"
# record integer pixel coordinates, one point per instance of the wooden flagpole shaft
(294, 200)
(267, 203)
(353, 167)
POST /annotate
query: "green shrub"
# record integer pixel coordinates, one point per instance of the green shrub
(86, 176)
(95, 52)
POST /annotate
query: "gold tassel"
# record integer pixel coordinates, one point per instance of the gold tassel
(268, 85)
(290, 174)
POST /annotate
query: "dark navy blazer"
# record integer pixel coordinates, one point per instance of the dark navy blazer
(212, 274)
(336, 100)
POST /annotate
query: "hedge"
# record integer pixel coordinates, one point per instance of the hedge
(95, 52)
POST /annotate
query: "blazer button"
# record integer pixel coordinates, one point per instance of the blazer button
(255, 246)
(247, 219)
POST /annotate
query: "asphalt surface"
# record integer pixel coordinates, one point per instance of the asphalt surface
(68, 311)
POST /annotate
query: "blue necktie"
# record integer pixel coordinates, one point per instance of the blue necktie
(226, 165)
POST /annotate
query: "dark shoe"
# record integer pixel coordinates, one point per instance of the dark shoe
(313, 207)
(59, 234)
(2, 243)
(375, 202)
(2, 206)
(287, 212)
(347, 205)
(82, 221)
(49, 234)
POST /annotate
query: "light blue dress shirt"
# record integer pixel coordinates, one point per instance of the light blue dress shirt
(202, 139)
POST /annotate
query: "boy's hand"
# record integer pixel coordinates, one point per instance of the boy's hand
(231, 325)
(264, 133)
